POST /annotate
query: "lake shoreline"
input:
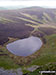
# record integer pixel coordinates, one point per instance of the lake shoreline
(27, 45)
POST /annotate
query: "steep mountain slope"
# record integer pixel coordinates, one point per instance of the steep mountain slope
(22, 23)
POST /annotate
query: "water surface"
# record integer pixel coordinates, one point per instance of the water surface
(25, 47)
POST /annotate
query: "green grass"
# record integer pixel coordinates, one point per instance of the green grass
(47, 52)
(5, 60)
(47, 67)
(36, 72)
(25, 71)
(7, 63)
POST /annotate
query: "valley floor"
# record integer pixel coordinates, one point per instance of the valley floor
(47, 54)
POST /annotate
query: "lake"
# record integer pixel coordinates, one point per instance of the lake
(25, 47)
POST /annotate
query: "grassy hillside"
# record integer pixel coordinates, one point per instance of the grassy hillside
(47, 52)
(22, 23)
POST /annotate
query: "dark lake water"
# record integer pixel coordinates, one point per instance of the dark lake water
(25, 47)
